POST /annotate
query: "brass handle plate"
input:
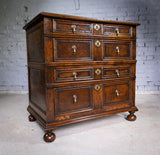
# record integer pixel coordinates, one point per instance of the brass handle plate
(97, 87)
(117, 31)
(117, 92)
(96, 27)
(117, 72)
(98, 43)
(98, 71)
(75, 75)
(74, 98)
(117, 49)
(73, 28)
(74, 47)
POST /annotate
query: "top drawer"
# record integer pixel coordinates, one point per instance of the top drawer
(72, 27)
(117, 30)
(61, 26)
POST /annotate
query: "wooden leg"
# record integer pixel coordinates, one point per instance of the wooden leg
(49, 136)
(31, 118)
(131, 116)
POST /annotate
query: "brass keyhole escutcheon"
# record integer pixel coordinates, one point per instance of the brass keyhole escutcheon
(98, 43)
(117, 31)
(74, 47)
(73, 28)
(98, 71)
(97, 87)
(96, 27)
(74, 98)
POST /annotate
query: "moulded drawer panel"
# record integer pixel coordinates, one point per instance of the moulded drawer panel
(74, 74)
(116, 72)
(72, 27)
(73, 49)
(117, 50)
(116, 93)
(117, 30)
(71, 100)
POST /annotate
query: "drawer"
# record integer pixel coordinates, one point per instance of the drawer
(117, 30)
(116, 50)
(116, 72)
(74, 74)
(71, 27)
(116, 93)
(69, 49)
(73, 100)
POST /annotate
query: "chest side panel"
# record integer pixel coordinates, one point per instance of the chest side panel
(35, 43)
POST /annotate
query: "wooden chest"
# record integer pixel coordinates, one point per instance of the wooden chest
(79, 69)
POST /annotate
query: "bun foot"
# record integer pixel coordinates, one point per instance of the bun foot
(31, 118)
(49, 137)
(131, 116)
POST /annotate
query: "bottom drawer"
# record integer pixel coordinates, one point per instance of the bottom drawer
(117, 95)
(72, 100)
(82, 100)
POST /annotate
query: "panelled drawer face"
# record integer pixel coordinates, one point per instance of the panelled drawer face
(71, 100)
(74, 74)
(116, 93)
(72, 27)
(116, 72)
(118, 30)
(117, 50)
(73, 49)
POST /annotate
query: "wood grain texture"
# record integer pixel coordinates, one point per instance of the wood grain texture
(79, 69)
(35, 43)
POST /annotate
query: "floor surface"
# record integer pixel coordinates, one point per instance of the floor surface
(112, 135)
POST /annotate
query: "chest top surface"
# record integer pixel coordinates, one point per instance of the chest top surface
(71, 17)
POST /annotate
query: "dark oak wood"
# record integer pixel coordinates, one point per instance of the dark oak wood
(64, 26)
(41, 15)
(111, 50)
(79, 69)
(75, 49)
(49, 137)
(131, 116)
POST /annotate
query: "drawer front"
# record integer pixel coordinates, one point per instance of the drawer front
(73, 100)
(116, 93)
(117, 50)
(117, 31)
(116, 72)
(71, 27)
(74, 74)
(68, 49)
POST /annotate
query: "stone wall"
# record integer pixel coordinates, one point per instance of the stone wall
(15, 13)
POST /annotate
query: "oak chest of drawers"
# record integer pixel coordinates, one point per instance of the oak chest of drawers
(79, 69)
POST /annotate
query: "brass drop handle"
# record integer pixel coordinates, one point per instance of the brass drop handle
(73, 28)
(117, 49)
(74, 47)
(117, 92)
(117, 72)
(75, 75)
(74, 98)
(117, 31)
